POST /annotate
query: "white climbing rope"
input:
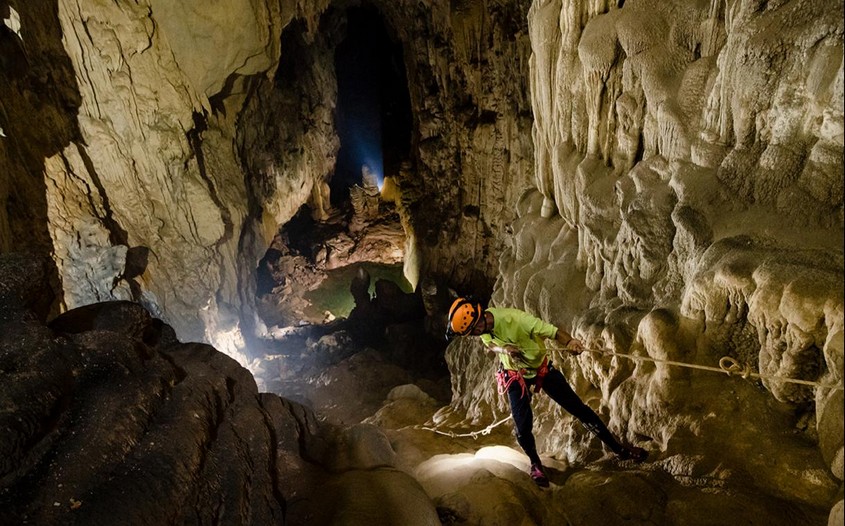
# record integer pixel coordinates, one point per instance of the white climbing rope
(727, 365)
(473, 434)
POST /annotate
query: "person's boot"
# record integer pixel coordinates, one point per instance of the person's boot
(637, 454)
(538, 475)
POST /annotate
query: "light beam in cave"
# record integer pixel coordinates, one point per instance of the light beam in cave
(373, 107)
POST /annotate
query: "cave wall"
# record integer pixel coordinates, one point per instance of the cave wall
(467, 65)
(108, 419)
(688, 206)
(38, 102)
(685, 160)
(191, 135)
(138, 179)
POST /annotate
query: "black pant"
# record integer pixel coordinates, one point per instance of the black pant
(558, 389)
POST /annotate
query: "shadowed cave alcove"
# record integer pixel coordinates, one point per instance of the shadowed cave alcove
(332, 280)
(359, 226)
(373, 107)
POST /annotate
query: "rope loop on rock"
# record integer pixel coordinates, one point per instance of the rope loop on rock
(727, 365)
(731, 366)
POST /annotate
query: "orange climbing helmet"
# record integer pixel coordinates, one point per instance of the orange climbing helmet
(463, 315)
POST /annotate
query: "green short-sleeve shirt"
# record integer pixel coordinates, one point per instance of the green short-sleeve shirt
(520, 329)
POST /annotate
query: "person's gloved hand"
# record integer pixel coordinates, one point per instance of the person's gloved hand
(574, 346)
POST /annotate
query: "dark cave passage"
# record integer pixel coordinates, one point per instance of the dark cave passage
(331, 288)
(373, 106)
(373, 122)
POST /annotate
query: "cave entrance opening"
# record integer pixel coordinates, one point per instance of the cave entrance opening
(373, 113)
(333, 290)
(301, 277)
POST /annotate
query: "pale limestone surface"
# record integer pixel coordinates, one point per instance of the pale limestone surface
(136, 109)
(93, 266)
(708, 224)
(160, 179)
(213, 40)
(687, 159)
(199, 143)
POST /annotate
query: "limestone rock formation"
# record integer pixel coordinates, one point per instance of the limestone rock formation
(302, 256)
(193, 147)
(107, 418)
(664, 178)
(704, 428)
(684, 165)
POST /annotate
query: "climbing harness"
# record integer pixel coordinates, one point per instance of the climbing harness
(506, 377)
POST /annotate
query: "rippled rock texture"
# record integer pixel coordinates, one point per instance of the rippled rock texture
(106, 418)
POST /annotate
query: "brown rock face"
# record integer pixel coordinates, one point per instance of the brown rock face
(193, 147)
(108, 419)
(38, 76)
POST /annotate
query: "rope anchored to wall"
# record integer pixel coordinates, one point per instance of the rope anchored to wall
(727, 365)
